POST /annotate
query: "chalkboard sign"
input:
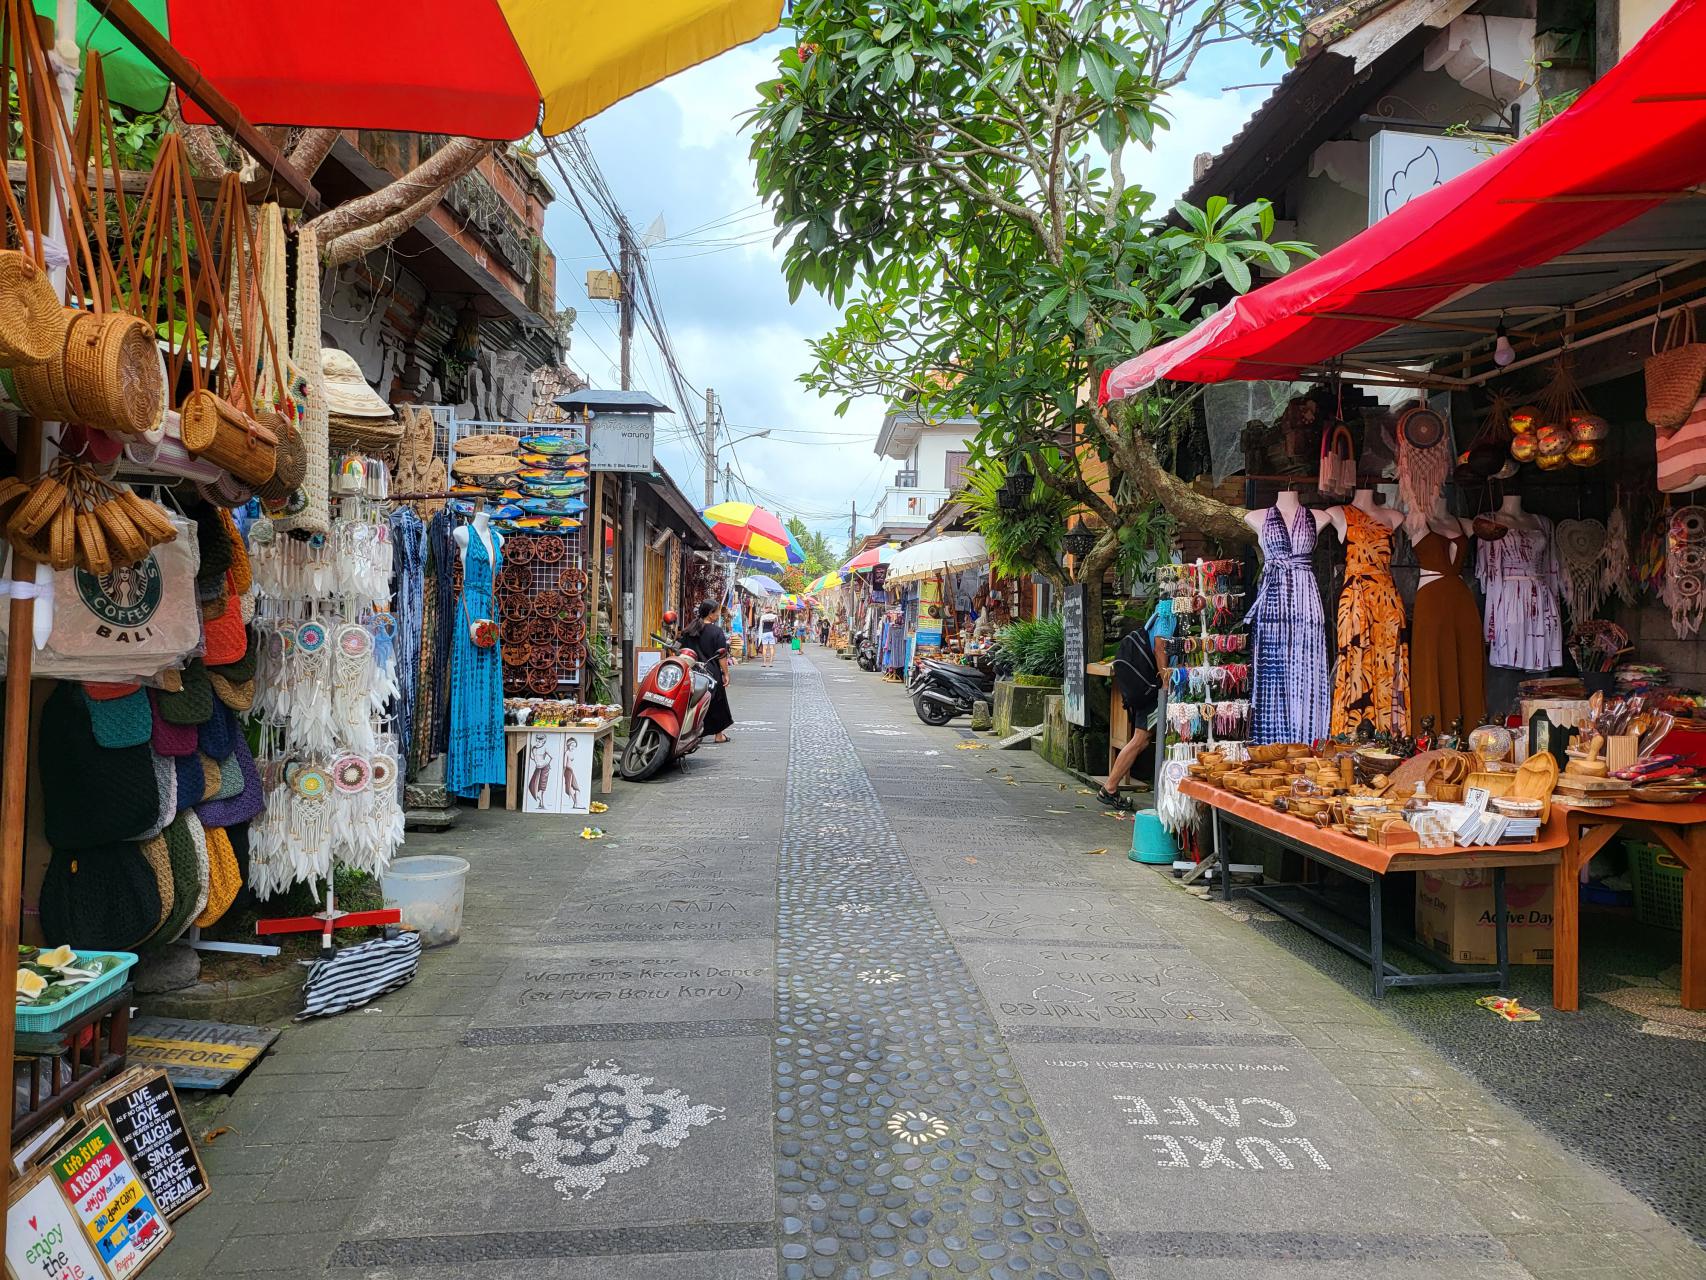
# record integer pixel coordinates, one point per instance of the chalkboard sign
(150, 1126)
(1072, 614)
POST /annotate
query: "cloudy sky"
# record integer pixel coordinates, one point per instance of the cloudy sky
(676, 152)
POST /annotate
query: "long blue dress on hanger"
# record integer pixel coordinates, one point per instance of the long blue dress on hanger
(476, 751)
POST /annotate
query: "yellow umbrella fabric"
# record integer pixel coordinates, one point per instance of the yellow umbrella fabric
(589, 55)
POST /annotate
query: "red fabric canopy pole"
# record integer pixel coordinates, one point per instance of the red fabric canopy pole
(424, 66)
(1621, 136)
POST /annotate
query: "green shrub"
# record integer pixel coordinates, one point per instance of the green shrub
(1036, 647)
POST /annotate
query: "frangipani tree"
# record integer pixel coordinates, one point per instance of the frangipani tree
(953, 175)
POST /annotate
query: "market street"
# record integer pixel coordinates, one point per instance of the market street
(886, 1015)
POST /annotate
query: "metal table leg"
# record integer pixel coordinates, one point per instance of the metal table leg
(1501, 929)
(1376, 936)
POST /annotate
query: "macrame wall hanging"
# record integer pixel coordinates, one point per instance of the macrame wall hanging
(1685, 570)
(1617, 577)
(1424, 458)
(1581, 552)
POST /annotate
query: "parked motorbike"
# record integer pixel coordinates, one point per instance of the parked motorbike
(668, 719)
(943, 690)
(865, 653)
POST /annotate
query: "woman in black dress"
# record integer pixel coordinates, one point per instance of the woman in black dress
(707, 642)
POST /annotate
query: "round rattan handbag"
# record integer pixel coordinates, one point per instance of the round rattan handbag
(32, 319)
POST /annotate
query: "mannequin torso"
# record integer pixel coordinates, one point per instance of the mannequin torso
(1287, 505)
(481, 527)
(1511, 515)
(1442, 524)
(1363, 501)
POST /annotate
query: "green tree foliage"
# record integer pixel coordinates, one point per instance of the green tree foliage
(1022, 540)
(953, 174)
(820, 558)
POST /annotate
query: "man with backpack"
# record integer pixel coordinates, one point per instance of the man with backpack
(1139, 684)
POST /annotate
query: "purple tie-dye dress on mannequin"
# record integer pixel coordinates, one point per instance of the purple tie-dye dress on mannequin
(1292, 698)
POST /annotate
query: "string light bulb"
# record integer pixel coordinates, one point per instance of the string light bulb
(1503, 353)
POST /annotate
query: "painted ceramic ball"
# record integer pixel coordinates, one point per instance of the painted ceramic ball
(1554, 441)
(1589, 428)
(1524, 446)
(1584, 453)
(1525, 419)
(1551, 462)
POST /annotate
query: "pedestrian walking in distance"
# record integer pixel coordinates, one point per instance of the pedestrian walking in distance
(708, 643)
(767, 637)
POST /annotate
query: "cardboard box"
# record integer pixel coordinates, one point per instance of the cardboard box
(1454, 915)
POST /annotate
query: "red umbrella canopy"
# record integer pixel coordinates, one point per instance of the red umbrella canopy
(478, 68)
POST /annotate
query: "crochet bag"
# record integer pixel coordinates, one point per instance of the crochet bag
(1682, 453)
(1675, 375)
(104, 896)
(71, 763)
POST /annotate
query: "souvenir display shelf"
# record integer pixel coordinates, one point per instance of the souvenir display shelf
(1202, 654)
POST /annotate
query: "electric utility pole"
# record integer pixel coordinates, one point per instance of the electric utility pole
(710, 446)
(625, 306)
(853, 525)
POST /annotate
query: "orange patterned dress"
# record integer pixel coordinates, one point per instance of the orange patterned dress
(1371, 679)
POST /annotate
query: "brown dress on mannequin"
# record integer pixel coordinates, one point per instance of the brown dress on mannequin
(1448, 657)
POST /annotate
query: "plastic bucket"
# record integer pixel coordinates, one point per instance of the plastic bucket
(1151, 843)
(427, 891)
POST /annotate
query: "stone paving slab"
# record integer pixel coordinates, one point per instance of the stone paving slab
(663, 1122)
(615, 982)
(486, 1258)
(1137, 991)
(648, 912)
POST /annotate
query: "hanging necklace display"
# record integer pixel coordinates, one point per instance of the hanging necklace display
(1685, 570)
(1581, 550)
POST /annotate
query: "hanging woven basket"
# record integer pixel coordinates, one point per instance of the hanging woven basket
(106, 374)
(221, 433)
(32, 319)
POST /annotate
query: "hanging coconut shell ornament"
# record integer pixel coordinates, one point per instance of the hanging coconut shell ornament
(1525, 447)
(1554, 442)
(1584, 453)
(1525, 419)
(1589, 428)
(1551, 462)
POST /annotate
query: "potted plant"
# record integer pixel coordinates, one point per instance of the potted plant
(1033, 652)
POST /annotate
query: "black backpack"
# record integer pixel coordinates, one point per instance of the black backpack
(1135, 674)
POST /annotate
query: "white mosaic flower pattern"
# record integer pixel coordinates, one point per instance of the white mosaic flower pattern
(851, 909)
(881, 977)
(590, 1128)
(916, 1128)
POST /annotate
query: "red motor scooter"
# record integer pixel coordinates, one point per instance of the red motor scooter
(668, 719)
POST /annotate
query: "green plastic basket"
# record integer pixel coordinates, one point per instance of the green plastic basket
(51, 1017)
(1657, 877)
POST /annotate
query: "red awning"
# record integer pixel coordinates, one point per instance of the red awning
(1640, 131)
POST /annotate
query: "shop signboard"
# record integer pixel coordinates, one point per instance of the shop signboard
(1072, 614)
(44, 1240)
(620, 442)
(145, 1115)
(114, 1207)
(644, 661)
(929, 631)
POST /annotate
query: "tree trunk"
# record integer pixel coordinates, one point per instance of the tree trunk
(408, 197)
(364, 240)
(311, 150)
(1208, 516)
(1092, 571)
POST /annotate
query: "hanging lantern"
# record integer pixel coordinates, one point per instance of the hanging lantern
(1019, 479)
(1006, 499)
(1078, 540)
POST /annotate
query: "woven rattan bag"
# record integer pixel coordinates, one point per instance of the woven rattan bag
(1676, 374)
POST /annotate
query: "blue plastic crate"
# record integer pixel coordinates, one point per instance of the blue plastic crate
(51, 1017)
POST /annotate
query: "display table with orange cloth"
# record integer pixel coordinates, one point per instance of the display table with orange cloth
(1370, 864)
(1681, 829)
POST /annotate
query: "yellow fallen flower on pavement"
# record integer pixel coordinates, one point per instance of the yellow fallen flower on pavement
(970, 746)
(598, 806)
(592, 833)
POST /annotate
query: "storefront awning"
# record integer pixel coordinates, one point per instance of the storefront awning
(1632, 147)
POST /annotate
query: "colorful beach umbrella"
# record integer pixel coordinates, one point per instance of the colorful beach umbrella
(760, 584)
(825, 582)
(871, 557)
(477, 68)
(748, 531)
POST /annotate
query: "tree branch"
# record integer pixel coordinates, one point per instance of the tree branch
(412, 194)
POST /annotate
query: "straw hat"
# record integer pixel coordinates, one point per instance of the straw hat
(347, 392)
